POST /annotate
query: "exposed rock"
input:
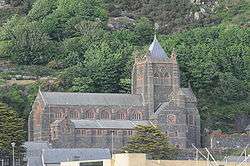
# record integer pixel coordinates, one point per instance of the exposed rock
(203, 11)
(116, 23)
(196, 15)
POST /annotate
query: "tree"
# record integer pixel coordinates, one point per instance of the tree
(150, 140)
(143, 31)
(105, 67)
(26, 42)
(11, 129)
(215, 60)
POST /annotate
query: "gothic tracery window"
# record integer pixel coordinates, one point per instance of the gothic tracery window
(121, 115)
(74, 114)
(90, 115)
(71, 114)
(105, 115)
(136, 116)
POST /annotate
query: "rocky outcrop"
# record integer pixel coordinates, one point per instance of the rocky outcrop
(205, 8)
(116, 23)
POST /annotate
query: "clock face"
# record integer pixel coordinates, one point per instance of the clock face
(171, 119)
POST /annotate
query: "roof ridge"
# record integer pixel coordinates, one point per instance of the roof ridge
(94, 93)
(83, 99)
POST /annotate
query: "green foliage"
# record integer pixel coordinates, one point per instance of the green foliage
(11, 129)
(6, 14)
(26, 42)
(209, 57)
(143, 31)
(105, 68)
(41, 8)
(233, 11)
(19, 98)
(214, 60)
(150, 140)
(34, 39)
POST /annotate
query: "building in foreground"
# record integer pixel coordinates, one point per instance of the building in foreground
(73, 120)
(42, 154)
(139, 159)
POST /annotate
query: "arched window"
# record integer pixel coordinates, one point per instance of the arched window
(71, 114)
(105, 115)
(130, 132)
(77, 115)
(121, 115)
(59, 115)
(90, 115)
(137, 116)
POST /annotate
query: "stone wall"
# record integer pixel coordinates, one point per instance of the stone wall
(230, 141)
(92, 138)
(42, 116)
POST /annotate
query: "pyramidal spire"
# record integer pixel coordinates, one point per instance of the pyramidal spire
(156, 51)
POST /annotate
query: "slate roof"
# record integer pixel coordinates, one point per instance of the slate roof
(109, 124)
(34, 149)
(34, 161)
(188, 92)
(104, 99)
(156, 51)
(55, 156)
(34, 152)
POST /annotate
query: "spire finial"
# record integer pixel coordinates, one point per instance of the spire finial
(156, 27)
(155, 49)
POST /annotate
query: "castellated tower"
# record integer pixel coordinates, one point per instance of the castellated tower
(157, 78)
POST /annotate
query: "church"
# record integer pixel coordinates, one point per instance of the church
(105, 120)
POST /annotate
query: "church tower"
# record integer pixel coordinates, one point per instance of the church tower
(154, 76)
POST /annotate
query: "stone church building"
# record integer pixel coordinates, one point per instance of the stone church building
(94, 119)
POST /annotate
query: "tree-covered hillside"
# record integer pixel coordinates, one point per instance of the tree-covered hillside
(90, 45)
